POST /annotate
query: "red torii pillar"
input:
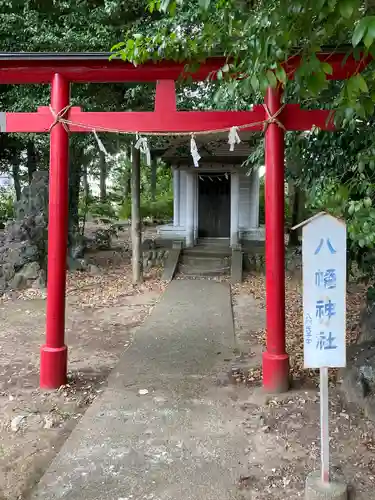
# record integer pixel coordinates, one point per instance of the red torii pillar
(54, 353)
(275, 359)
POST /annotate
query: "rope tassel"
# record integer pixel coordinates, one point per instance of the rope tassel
(233, 138)
(100, 144)
(194, 151)
(142, 145)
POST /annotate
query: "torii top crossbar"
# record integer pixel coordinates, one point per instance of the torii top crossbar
(62, 69)
(96, 67)
(40, 68)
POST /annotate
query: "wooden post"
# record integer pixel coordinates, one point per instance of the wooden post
(176, 197)
(136, 217)
(154, 166)
(234, 208)
(189, 209)
(103, 176)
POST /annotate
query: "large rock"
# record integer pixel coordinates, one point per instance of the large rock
(23, 243)
(3, 284)
(77, 244)
(19, 253)
(29, 275)
(7, 271)
(31, 271)
(41, 281)
(34, 198)
(75, 264)
(23, 249)
(17, 282)
(367, 323)
(358, 378)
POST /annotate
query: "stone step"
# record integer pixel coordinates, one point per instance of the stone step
(192, 271)
(203, 260)
(171, 264)
(221, 242)
(209, 252)
(206, 265)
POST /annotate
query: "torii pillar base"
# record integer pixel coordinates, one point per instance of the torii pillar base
(276, 378)
(54, 363)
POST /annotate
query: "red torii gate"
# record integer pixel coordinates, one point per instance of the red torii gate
(60, 70)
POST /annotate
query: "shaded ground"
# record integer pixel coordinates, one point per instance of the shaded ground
(102, 316)
(201, 427)
(162, 429)
(255, 286)
(282, 433)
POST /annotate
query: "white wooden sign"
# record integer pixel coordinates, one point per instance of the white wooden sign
(324, 291)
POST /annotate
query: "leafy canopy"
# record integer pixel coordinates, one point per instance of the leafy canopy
(257, 37)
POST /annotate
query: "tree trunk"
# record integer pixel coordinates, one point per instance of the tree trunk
(127, 187)
(85, 181)
(103, 176)
(127, 177)
(16, 177)
(31, 159)
(136, 217)
(154, 166)
(86, 191)
(297, 205)
(75, 169)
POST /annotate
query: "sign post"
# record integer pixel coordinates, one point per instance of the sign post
(324, 425)
(324, 311)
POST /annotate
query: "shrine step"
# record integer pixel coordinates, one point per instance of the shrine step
(214, 251)
(203, 264)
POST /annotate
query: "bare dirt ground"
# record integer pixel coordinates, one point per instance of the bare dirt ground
(102, 316)
(103, 312)
(283, 432)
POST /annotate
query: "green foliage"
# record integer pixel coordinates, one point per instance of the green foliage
(6, 205)
(159, 210)
(125, 210)
(61, 25)
(90, 205)
(338, 173)
(99, 209)
(258, 37)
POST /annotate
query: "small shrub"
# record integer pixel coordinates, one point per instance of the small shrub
(125, 210)
(102, 210)
(161, 209)
(102, 239)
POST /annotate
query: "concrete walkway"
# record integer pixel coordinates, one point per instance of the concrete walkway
(181, 440)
